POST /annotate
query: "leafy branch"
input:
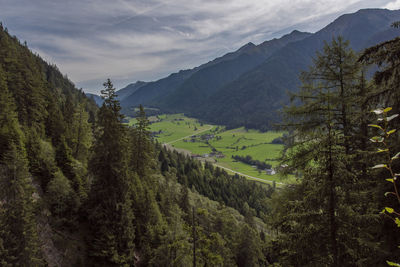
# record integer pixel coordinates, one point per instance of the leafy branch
(382, 140)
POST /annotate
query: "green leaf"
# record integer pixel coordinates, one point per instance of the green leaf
(375, 125)
(377, 139)
(390, 263)
(386, 110)
(382, 150)
(379, 166)
(396, 156)
(391, 131)
(392, 117)
(389, 210)
(390, 180)
(397, 221)
(387, 193)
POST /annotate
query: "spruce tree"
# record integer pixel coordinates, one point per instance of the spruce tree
(385, 93)
(18, 236)
(111, 213)
(10, 131)
(321, 126)
(141, 144)
(81, 134)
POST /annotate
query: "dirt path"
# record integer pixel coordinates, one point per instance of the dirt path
(252, 177)
(187, 152)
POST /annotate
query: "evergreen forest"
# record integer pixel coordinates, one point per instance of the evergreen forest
(78, 187)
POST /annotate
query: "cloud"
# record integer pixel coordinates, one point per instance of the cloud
(91, 40)
(393, 5)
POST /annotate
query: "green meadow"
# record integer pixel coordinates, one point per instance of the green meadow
(177, 131)
(172, 127)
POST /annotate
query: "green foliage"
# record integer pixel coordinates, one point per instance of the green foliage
(141, 144)
(19, 234)
(218, 185)
(172, 128)
(81, 134)
(122, 200)
(385, 134)
(248, 248)
(17, 209)
(60, 195)
(106, 193)
(327, 147)
(110, 213)
(10, 131)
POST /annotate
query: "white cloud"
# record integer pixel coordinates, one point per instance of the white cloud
(393, 5)
(91, 40)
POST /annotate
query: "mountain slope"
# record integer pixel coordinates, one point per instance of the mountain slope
(207, 81)
(121, 94)
(130, 89)
(248, 86)
(158, 88)
(59, 195)
(96, 98)
(254, 98)
(208, 77)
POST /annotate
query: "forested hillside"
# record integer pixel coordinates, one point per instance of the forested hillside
(333, 216)
(80, 188)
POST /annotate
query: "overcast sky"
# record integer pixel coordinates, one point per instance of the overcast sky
(91, 40)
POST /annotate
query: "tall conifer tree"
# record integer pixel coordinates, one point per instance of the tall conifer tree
(141, 143)
(18, 236)
(111, 203)
(321, 149)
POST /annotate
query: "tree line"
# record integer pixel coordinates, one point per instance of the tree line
(250, 161)
(332, 216)
(110, 196)
(80, 188)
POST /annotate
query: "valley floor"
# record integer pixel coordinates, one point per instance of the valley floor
(217, 145)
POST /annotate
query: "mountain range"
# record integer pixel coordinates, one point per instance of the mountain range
(248, 86)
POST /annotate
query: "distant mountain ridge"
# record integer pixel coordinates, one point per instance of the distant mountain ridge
(97, 99)
(130, 89)
(121, 94)
(193, 93)
(238, 62)
(248, 86)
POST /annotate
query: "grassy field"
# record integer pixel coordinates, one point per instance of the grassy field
(173, 127)
(177, 131)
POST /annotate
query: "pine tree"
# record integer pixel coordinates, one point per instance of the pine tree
(248, 248)
(82, 134)
(111, 195)
(141, 144)
(321, 126)
(385, 93)
(10, 131)
(20, 246)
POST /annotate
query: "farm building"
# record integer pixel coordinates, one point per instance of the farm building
(270, 171)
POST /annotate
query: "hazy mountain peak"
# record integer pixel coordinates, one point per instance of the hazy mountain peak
(248, 85)
(246, 47)
(129, 89)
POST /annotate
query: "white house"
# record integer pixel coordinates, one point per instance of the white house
(270, 171)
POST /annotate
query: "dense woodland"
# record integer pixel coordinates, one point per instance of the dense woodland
(332, 217)
(80, 188)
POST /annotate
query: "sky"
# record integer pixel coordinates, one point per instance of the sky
(126, 41)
